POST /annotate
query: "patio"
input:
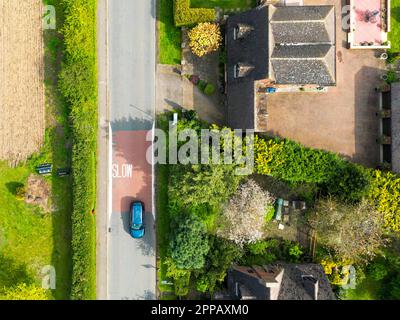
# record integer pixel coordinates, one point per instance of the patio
(369, 24)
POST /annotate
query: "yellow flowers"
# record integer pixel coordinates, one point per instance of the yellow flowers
(205, 38)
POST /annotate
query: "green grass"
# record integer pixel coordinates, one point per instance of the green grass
(394, 34)
(366, 290)
(169, 35)
(224, 4)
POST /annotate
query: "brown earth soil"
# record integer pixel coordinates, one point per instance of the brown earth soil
(38, 192)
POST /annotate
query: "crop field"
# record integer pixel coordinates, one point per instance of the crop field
(22, 97)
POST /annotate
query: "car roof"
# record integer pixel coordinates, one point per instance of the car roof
(137, 213)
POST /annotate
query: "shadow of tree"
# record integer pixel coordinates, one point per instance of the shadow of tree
(13, 186)
(12, 273)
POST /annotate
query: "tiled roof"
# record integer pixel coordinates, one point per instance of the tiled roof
(301, 13)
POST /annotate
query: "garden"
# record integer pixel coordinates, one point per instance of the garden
(210, 218)
(174, 14)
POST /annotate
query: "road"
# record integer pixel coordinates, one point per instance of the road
(131, 268)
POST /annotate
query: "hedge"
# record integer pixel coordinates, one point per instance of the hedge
(78, 85)
(184, 15)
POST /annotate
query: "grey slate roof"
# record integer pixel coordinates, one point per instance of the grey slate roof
(395, 105)
(291, 67)
(291, 286)
(316, 51)
(251, 50)
(306, 36)
(300, 32)
(301, 13)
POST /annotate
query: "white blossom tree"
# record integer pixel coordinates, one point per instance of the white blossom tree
(243, 218)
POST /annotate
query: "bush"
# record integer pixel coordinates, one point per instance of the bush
(270, 212)
(350, 183)
(78, 85)
(194, 79)
(377, 271)
(209, 89)
(205, 38)
(385, 195)
(202, 85)
(189, 243)
(23, 291)
(184, 15)
(20, 193)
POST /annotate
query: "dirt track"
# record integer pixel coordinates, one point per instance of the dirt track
(22, 102)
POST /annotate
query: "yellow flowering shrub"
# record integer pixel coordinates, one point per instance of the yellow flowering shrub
(205, 38)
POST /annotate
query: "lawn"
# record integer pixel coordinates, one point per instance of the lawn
(394, 34)
(224, 4)
(366, 290)
(169, 35)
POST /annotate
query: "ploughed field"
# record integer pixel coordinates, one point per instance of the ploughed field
(22, 102)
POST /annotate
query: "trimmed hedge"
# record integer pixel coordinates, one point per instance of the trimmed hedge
(78, 85)
(184, 15)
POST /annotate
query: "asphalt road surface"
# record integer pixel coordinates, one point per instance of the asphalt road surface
(131, 64)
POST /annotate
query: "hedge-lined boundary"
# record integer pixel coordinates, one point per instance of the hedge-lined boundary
(184, 15)
(78, 85)
(296, 164)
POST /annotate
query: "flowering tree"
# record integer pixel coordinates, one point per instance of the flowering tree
(205, 38)
(355, 232)
(244, 216)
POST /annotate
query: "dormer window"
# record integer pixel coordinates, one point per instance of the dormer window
(241, 70)
(241, 31)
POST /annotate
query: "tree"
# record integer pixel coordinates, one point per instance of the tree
(244, 216)
(220, 257)
(203, 184)
(189, 244)
(355, 232)
(24, 292)
(205, 38)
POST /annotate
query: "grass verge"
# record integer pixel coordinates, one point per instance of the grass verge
(169, 36)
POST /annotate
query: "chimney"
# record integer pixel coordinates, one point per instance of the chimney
(311, 286)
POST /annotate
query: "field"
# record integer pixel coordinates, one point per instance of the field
(29, 238)
(22, 117)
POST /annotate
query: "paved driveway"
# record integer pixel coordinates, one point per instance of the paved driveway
(342, 120)
(131, 262)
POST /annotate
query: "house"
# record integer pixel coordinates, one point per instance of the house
(277, 46)
(389, 139)
(283, 281)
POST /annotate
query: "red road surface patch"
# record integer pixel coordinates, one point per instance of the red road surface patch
(131, 171)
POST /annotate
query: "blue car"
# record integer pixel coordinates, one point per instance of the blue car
(136, 220)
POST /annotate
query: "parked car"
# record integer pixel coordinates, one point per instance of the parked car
(136, 220)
